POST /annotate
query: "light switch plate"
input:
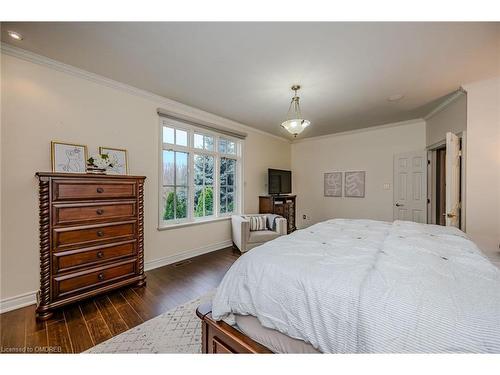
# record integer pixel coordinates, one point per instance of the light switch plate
(387, 186)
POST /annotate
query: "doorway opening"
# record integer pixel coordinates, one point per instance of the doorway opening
(440, 188)
(446, 182)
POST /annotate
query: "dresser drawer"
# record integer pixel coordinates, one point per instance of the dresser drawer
(68, 260)
(76, 282)
(82, 189)
(75, 213)
(83, 235)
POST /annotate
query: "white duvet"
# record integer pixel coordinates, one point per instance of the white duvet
(363, 286)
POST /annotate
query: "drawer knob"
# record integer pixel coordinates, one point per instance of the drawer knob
(100, 276)
(100, 190)
(99, 211)
(100, 233)
(100, 254)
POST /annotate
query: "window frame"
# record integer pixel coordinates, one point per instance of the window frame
(191, 150)
(175, 186)
(226, 186)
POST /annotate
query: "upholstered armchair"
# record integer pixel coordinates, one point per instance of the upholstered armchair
(245, 239)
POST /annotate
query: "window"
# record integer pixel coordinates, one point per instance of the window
(204, 142)
(203, 185)
(201, 174)
(174, 136)
(227, 146)
(227, 185)
(175, 184)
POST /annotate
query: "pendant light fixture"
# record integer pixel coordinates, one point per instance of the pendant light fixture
(294, 123)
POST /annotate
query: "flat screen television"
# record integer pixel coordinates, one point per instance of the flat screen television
(279, 181)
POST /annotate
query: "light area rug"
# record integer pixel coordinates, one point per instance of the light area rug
(175, 331)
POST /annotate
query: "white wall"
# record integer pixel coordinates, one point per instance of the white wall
(40, 104)
(483, 165)
(452, 118)
(370, 150)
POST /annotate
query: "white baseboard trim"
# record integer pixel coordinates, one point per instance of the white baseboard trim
(26, 299)
(186, 255)
(16, 302)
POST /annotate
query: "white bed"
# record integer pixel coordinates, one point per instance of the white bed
(363, 286)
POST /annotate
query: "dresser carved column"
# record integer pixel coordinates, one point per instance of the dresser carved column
(140, 234)
(43, 296)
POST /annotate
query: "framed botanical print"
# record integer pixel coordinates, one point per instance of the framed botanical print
(118, 157)
(68, 157)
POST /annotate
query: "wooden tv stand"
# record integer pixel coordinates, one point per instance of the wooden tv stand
(284, 205)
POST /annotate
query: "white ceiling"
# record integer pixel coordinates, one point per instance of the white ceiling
(243, 71)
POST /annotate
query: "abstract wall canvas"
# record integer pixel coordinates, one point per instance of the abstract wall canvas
(355, 184)
(333, 184)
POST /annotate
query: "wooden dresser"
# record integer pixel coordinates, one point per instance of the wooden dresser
(283, 205)
(91, 236)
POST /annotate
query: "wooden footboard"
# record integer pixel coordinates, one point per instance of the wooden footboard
(221, 338)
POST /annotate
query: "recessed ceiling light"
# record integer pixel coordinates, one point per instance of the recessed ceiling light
(15, 35)
(395, 97)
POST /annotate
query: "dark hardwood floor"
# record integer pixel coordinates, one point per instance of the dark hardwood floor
(78, 327)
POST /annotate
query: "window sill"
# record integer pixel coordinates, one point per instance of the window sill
(191, 223)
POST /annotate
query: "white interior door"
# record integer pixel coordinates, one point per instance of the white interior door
(410, 186)
(452, 180)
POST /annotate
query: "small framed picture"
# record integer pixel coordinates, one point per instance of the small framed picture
(333, 184)
(118, 157)
(354, 184)
(68, 157)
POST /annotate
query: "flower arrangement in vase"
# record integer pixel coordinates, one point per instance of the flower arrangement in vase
(99, 163)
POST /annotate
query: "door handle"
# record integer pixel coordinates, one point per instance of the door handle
(399, 205)
(450, 215)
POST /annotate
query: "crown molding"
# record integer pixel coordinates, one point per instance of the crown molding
(445, 104)
(362, 130)
(172, 105)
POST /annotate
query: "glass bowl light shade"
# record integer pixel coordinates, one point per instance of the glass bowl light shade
(295, 126)
(294, 123)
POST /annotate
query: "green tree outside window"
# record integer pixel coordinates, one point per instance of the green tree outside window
(205, 202)
(181, 208)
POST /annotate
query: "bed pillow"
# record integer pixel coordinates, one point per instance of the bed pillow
(257, 223)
